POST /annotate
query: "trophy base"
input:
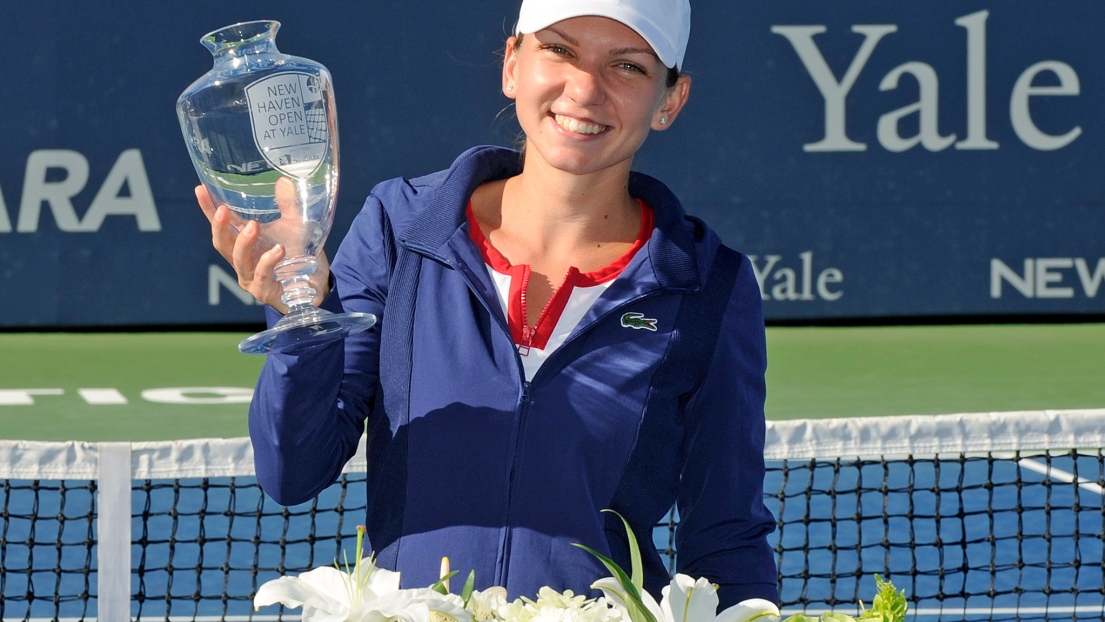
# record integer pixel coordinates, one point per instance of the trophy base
(298, 331)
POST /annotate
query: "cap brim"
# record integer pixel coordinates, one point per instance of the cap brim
(533, 21)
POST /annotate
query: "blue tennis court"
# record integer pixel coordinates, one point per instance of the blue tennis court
(1002, 535)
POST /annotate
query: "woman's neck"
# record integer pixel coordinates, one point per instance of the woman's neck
(557, 214)
(552, 222)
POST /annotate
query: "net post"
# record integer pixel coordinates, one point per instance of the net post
(113, 523)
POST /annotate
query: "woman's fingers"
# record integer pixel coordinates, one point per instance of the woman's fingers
(222, 234)
(266, 264)
(320, 280)
(255, 273)
(264, 286)
(238, 245)
(288, 199)
(241, 255)
(203, 197)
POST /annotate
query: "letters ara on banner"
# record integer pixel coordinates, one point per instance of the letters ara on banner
(125, 192)
(367, 593)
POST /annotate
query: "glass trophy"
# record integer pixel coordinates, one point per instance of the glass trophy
(261, 129)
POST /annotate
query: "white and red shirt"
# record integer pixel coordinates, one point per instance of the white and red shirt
(569, 302)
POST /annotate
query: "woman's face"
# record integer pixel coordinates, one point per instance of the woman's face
(587, 91)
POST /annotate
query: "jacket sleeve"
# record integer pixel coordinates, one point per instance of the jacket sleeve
(723, 522)
(308, 412)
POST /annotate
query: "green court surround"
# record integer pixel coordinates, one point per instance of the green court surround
(812, 372)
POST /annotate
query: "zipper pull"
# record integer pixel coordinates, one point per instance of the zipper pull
(526, 392)
(527, 340)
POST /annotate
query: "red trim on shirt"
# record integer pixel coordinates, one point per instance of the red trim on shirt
(491, 256)
(516, 304)
(538, 336)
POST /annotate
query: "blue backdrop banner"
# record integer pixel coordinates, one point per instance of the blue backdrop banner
(876, 159)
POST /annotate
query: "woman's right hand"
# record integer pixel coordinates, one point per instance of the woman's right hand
(255, 272)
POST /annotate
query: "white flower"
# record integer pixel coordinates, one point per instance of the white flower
(689, 600)
(484, 606)
(415, 605)
(751, 609)
(553, 606)
(364, 593)
(328, 594)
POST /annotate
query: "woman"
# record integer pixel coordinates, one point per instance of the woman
(557, 337)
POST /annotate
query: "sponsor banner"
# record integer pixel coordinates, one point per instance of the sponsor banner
(911, 158)
(874, 159)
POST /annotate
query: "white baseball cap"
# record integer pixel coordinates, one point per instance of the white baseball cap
(664, 24)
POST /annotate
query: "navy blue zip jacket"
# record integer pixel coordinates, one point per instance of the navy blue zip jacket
(470, 461)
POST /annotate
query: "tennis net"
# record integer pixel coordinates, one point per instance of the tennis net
(992, 516)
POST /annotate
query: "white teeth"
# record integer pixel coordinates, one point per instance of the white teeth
(577, 126)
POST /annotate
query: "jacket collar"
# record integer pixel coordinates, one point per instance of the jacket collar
(671, 248)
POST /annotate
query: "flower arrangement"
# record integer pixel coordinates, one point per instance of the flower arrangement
(364, 592)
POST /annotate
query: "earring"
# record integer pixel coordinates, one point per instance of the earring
(509, 88)
(663, 120)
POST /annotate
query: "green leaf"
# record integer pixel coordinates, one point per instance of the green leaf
(615, 571)
(889, 604)
(638, 612)
(469, 587)
(636, 568)
(439, 587)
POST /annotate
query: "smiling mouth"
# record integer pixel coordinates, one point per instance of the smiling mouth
(577, 126)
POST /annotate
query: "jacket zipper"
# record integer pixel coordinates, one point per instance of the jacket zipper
(524, 400)
(576, 334)
(503, 555)
(505, 541)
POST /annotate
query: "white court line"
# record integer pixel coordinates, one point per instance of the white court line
(961, 612)
(1060, 475)
(256, 618)
(923, 612)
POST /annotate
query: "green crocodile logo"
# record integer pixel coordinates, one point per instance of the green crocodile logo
(638, 321)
